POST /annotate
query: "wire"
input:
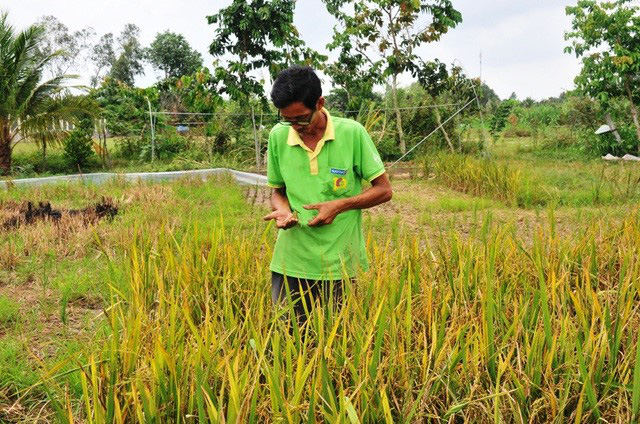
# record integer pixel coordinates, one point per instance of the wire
(475, 93)
(409, 108)
(475, 98)
(433, 132)
(208, 114)
(274, 114)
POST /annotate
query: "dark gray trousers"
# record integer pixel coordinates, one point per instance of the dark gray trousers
(305, 293)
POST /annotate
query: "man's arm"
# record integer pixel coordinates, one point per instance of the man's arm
(282, 214)
(379, 192)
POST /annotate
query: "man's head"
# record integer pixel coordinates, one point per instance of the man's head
(297, 93)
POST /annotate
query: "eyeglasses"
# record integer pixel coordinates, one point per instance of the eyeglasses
(302, 122)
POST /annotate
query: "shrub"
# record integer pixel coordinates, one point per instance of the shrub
(129, 147)
(499, 119)
(168, 144)
(31, 164)
(388, 149)
(607, 143)
(78, 147)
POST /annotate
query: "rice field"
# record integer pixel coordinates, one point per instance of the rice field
(474, 310)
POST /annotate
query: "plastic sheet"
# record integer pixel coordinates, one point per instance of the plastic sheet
(244, 178)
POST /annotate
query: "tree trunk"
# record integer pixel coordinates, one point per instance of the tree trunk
(5, 152)
(103, 157)
(612, 125)
(103, 127)
(634, 114)
(44, 151)
(444, 132)
(256, 142)
(394, 94)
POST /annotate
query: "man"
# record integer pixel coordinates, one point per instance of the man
(316, 164)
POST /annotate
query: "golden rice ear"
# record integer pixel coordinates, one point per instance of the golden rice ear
(126, 202)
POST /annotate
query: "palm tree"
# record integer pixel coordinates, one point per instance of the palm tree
(29, 107)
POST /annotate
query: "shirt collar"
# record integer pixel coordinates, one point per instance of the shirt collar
(329, 132)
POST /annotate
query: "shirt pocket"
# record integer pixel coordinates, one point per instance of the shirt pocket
(339, 180)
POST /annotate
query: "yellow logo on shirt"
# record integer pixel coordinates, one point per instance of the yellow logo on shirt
(339, 183)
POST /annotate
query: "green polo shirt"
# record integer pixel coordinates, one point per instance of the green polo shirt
(334, 170)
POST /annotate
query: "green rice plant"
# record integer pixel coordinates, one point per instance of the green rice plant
(479, 177)
(9, 311)
(485, 328)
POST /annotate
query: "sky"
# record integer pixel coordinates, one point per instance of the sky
(521, 42)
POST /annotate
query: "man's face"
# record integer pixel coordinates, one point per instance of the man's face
(298, 112)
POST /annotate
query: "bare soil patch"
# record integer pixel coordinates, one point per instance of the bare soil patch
(28, 213)
(411, 215)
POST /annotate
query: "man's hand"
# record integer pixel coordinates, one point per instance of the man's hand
(327, 212)
(285, 219)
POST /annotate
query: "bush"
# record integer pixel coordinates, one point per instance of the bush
(129, 147)
(388, 149)
(31, 164)
(78, 148)
(607, 143)
(168, 145)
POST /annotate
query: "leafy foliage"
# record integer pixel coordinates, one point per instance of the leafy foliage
(172, 54)
(606, 35)
(74, 47)
(198, 92)
(103, 57)
(499, 119)
(78, 148)
(258, 34)
(124, 107)
(451, 89)
(30, 106)
(389, 31)
(378, 38)
(130, 60)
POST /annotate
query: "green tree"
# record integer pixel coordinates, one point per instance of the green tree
(256, 35)
(606, 35)
(445, 87)
(74, 47)
(351, 75)
(30, 107)
(198, 92)
(103, 57)
(130, 59)
(487, 97)
(383, 35)
(500, 118)
(172, 54)
(78, 147)
(125, 108)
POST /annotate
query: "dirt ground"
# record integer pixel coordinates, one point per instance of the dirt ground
(419, 218)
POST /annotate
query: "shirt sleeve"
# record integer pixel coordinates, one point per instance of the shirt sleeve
(274, 177)
(368, 163)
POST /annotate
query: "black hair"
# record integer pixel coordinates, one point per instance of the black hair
(296, 84)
